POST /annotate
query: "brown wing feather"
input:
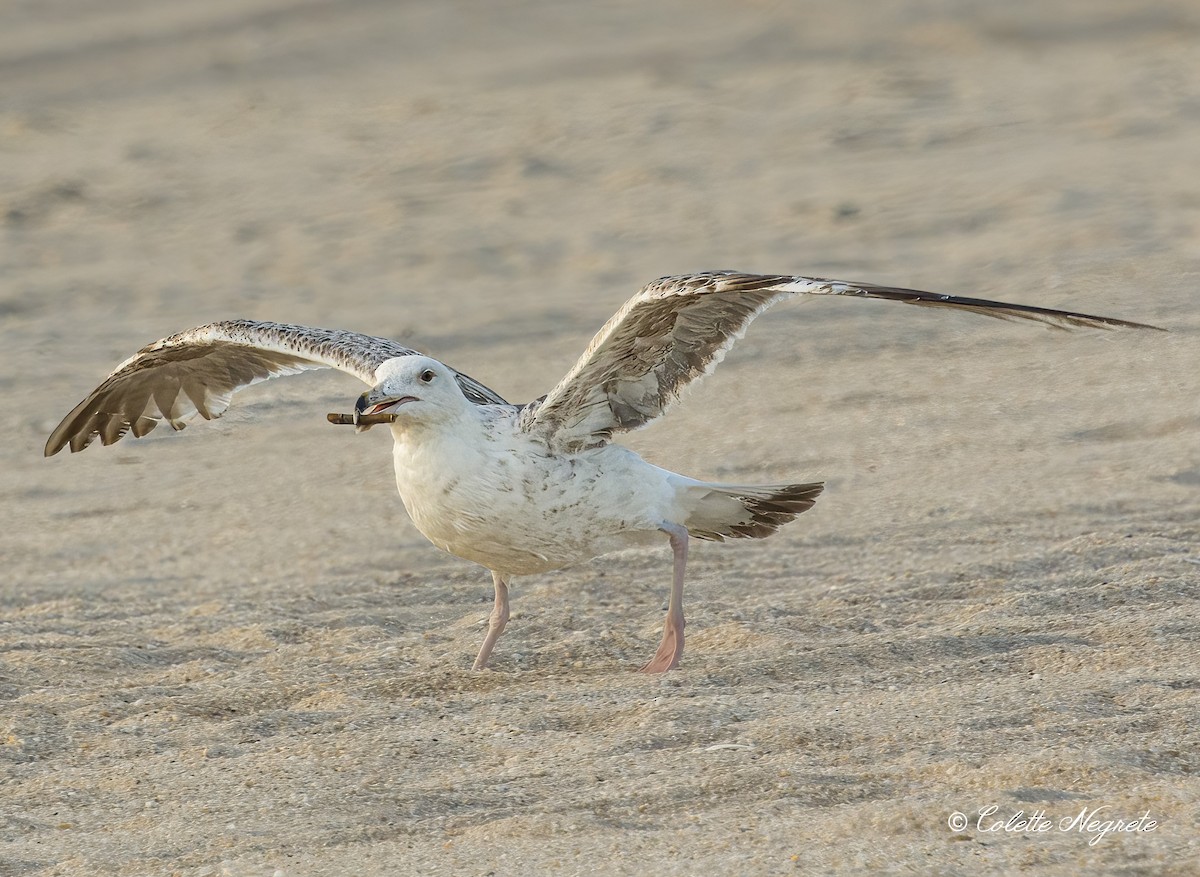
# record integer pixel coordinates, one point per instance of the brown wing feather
(198, 371)
(672, 332)
(678, 329)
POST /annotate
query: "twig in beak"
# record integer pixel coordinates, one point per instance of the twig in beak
(360, 420)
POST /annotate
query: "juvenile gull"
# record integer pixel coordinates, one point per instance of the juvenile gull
(520, 489)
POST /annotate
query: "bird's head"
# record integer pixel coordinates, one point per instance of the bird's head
(416, 389)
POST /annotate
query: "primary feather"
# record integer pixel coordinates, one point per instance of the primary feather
(678, 329)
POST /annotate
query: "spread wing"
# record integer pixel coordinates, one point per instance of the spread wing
(198, 371)
(678, 329)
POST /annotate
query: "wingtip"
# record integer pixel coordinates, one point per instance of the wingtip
(53, 447)
(1114, 323)
(55, 443)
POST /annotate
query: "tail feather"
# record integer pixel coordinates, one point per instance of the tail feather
(740, 511)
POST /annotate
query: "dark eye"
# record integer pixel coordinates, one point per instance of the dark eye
(427, 376)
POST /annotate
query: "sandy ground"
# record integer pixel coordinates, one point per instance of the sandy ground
(229, 652)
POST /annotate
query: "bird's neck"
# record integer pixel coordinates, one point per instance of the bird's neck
(429, 457)
(450, 433)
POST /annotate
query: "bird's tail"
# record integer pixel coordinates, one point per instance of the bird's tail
(745, 511)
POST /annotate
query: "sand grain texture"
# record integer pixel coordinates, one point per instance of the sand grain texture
(229, 652)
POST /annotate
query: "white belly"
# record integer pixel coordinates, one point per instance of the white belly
(503, 502)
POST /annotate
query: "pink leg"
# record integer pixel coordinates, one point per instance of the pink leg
(496, 623)
(670, 650)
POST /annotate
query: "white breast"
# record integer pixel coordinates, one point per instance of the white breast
(486, 492)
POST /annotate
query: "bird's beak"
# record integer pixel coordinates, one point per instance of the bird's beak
(375, 402)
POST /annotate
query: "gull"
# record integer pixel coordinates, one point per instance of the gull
(521, 489)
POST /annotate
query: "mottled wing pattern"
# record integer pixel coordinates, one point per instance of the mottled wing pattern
(678, 329)
(198, 371)
(672, 332)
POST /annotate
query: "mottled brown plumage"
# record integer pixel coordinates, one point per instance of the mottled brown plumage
(198, 371)
(678, 329)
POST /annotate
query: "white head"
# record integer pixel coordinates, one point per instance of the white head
(416, 389)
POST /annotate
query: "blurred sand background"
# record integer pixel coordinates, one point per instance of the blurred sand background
(228, 651)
